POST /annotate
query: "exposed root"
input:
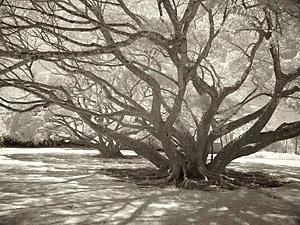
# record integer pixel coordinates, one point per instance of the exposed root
(178, 175)
(232, 180)
(179, 171)
(201, 179)
(185, 177)
(204, 185)
(216, 178)
(253, 179)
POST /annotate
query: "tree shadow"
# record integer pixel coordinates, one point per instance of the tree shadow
(79, 193)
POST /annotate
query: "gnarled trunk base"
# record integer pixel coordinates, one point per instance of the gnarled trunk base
(188, 175)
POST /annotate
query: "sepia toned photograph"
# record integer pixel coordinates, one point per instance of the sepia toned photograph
(150, 112)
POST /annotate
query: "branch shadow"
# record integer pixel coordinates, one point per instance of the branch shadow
(79, 194)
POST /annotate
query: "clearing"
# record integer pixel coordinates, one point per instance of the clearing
(69, 187)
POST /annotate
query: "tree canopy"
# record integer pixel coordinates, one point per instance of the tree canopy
(182, 72)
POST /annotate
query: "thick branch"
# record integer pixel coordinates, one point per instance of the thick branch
(227, 128)
(38, 55)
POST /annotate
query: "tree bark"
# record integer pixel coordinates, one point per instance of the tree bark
(187, 165)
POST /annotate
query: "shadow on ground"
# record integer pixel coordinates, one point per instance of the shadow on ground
(54, 189)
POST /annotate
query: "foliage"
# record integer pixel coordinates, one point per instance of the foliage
(26, 127)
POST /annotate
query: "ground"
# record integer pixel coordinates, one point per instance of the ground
(62, 187)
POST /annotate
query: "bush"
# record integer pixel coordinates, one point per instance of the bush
(8, 141)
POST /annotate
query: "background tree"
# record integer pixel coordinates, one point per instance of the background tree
(185, 78)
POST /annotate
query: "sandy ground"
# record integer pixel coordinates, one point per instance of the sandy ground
(67, 187)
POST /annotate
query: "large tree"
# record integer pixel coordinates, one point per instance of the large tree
(183, 72)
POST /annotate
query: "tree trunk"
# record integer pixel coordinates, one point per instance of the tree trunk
(178, 170)
(109, 149)
(154, 157)
(184, 171)
(219, 163)
(107, 153)
(229, 153)
(190, 167)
